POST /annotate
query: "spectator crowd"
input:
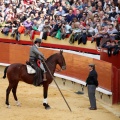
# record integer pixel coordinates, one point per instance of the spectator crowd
(76, 19)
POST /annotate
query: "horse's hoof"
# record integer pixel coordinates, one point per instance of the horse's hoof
(18, 103)
(8, 106)
(47, 107)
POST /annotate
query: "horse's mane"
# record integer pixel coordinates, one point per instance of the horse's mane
(51, 57)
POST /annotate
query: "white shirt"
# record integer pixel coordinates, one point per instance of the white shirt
(40, 27)
(67, 28)
(7, 1)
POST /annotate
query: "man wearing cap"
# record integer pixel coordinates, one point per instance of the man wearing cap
(35, 55)
(91, 84)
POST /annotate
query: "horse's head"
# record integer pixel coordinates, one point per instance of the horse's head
(61, 60)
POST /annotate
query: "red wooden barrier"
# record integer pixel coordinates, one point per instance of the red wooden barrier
(115, 60)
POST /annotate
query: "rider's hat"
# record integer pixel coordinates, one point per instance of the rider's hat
(38, 40)
(92, 65)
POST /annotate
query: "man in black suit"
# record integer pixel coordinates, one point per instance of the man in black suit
(91, 84)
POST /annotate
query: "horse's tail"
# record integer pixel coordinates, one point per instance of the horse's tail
(5, 71)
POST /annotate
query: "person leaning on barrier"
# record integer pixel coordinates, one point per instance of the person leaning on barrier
(91, 84)
(35, 55)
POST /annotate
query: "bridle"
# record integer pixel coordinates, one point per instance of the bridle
(56, 69)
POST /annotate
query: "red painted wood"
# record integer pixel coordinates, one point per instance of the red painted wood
(115, 85)
(115, 60)
(119, 85)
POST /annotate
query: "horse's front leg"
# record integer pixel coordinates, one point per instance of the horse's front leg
(45, 93)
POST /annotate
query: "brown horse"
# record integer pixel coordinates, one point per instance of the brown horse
(17, 72)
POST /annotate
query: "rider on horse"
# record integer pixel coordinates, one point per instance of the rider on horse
(36, 55)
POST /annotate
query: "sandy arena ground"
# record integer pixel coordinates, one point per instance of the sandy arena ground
(31, 108)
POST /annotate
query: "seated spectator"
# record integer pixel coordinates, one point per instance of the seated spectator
(32, 17)
(28, 25)
(14, 30)
(6, 29)
(84, 16)
(118, 18)
(111, 46)
(46, 29)
(34, 28)
(70, 16)
(104, 22)
(75, 32)
(116, 48)
(21, 29)
(112, 32)
(113, 14)
(89, 6)
(60, 11)
(56, 27)
(40, 24)
(83, 37)
(90, 22)
(90, 30)
(78, 14)
(66, 29)
(117, 26)
(9, 16)
(108, 46)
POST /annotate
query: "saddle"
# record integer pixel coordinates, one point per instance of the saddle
(30, 69)
(38, 75)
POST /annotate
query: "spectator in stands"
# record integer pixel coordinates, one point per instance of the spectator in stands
(46, 29)
(78, 14)
(90, 22)
(9, 16)
(84, 16)
(100, 30)
(6, 29)
(14, 30)
(70, 16)
(111, 46)
(118, 18)
(60, 11)
(56, 27)
(108, 46)
(115, 47)
(117, 26)
(68, 30)
(91, 84)
(28, 25)
(112, 32)
(90, 30)
(21, 29)
(113, 14)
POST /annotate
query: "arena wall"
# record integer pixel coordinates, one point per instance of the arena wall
(77, 67)
(114, 59)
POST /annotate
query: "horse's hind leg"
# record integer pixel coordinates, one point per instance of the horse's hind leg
(14, 89)
(7, 95)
